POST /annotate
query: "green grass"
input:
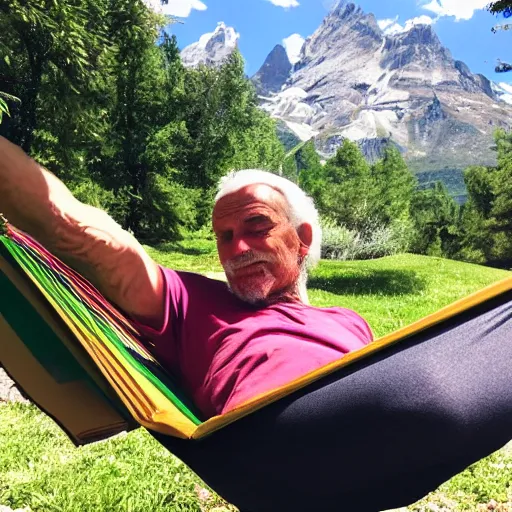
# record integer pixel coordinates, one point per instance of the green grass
(395, 291)
(41, 469)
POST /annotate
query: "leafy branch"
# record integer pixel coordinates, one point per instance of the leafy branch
(4, 107)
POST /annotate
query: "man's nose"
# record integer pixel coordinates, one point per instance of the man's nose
(240, 246)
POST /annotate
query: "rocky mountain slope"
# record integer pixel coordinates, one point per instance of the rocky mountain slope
(353, 81)
(274, 73)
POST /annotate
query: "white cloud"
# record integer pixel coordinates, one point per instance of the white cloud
(179, 8)
(384, 24)
(420, 20)
(391, 26)
(285, 3)
(293, 46)
(461, 9)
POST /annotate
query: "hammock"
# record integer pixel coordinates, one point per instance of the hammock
(85, 365)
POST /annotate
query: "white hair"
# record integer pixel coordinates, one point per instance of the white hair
(301, 209)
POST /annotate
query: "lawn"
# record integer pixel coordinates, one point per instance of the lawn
(40, 470)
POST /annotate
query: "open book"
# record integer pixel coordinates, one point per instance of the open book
(84, 364)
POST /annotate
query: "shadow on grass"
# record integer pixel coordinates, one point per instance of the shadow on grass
(379, 282)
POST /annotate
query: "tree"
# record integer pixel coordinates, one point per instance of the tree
(309, 168)
(144, 78)
(436, 218)
(479, 183)
(501, 212)
(226, 129)
(302, 166)
(394, 185)
(108, 106)
(347, 195)
(487, 216)
(4, 107)
(61, 40)
(258, 146)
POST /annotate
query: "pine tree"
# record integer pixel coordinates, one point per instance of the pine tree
(347, 195)
(436, 218)
(394, 184)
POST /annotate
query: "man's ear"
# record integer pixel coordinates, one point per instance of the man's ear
(305, 232)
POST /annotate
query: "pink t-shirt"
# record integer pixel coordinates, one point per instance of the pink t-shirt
(225, 351)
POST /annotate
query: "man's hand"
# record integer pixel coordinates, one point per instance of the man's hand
(88, 239)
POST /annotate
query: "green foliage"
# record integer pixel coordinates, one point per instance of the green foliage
(288, 139)
(4, 107)
(394, 186)
(346, 195)
(502, 205)
(309, 169)
(369, 206)
(480, 187)
(258, 146)
(227, 131)
(167, 208)
(341, 243)
(107, 105)
(487, 216)
(435, 217)
(52, 45)
(290, 170)
(302, 166)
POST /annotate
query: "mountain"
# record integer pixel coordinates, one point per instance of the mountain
(212, 48)
(274, 72)
(503, 91)
(353, 81)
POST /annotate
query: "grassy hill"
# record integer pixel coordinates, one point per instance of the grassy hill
(40, 470)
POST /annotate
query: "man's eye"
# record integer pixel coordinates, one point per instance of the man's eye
(261, 232)
(225, 237)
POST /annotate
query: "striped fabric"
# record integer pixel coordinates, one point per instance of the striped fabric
(110, 339)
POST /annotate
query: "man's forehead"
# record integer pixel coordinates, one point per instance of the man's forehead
(251, 195)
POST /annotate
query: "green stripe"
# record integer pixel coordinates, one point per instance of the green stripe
(82, 315)
(44, 344)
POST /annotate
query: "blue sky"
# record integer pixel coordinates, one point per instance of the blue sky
(463, 26)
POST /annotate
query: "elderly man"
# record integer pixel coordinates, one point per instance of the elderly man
(225, 346)
(378, 434)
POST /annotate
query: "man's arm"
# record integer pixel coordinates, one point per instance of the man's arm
(87, 238)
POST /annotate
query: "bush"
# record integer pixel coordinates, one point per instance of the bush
(338, 242)
(375, 241)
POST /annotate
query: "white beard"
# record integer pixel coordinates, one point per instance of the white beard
(253, 294)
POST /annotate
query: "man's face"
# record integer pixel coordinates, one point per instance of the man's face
(258, 246)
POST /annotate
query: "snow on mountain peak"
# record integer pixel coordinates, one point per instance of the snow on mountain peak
(212, 48)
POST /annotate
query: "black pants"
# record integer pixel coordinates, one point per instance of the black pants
(379, 434)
